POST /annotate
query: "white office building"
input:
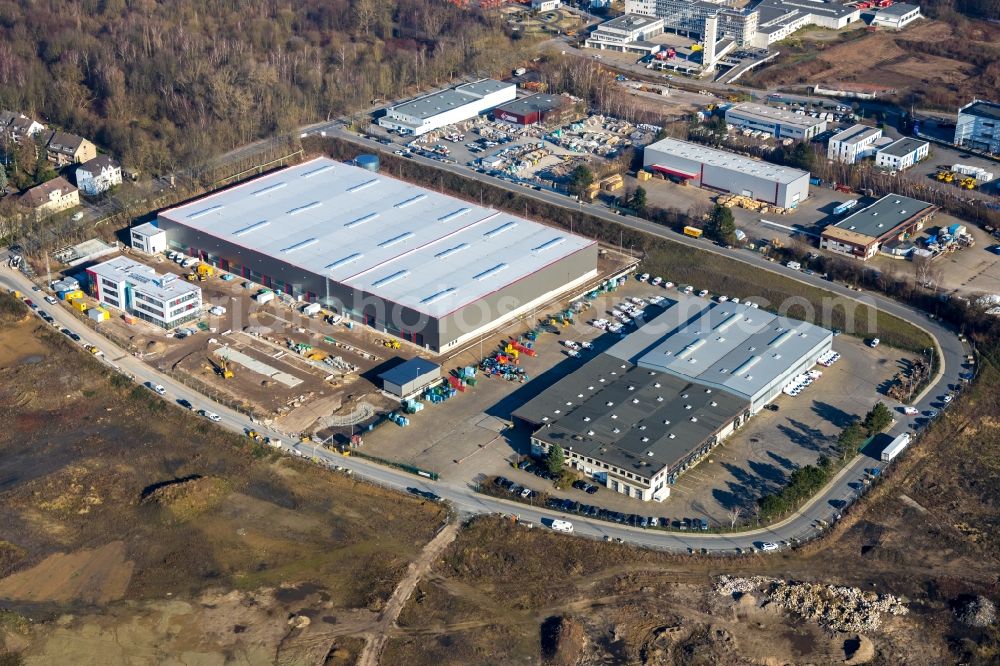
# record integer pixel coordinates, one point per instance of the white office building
(165, 300)
(629, 33)
(852, 144)
(440, 109)
(780, 18)
(690, 18)
(781, 123)
(902, 154)
(896, 16)
(977, 126)
(545, 5)
(148, 238)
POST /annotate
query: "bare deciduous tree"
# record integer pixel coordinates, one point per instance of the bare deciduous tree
(734, 515)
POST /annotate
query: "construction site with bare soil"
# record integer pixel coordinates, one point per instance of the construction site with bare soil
(125, 516)
(928, 65)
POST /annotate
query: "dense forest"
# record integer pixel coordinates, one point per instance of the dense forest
(167, 82)
(946, 9)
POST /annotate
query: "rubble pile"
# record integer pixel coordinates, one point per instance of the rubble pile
(979, 612)
(730, 585)
(834, 607)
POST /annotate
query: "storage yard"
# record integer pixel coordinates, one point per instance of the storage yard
(295, 365)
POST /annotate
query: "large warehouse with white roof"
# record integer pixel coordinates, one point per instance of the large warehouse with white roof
(422, 265)
(732, 346)
(728, 172)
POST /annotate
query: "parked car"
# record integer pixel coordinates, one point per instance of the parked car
(156, 388)
(767, 546)
(50, 300)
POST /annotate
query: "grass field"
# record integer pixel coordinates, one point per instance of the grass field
(110, 495)
(720, 275)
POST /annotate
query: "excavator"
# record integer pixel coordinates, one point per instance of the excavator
(221, 368)
(391, 343)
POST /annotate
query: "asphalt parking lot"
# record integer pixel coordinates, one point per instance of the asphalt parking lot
(467, 436)
(758, 458)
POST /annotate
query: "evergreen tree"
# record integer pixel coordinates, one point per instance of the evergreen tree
(721, 226)
(639, 201)
(878, 419)
(581, 178)
(555, 459)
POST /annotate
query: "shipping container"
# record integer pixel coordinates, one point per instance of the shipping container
(840, 209)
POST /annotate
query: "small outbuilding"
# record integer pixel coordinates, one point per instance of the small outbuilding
(410, 377)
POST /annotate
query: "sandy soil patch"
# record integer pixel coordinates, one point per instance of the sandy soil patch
(97, 576)
(18, 344)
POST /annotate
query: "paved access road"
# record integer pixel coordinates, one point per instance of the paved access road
(800, 525)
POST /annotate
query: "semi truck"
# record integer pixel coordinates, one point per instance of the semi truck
(895, 447)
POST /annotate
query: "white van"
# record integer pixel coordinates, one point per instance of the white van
(794, 265)
(873, 343)
(562, 526)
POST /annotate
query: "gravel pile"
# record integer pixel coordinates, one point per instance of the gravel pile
(837, 608)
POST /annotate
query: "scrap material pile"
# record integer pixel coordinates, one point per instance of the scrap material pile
(731, 200)
(838, 608)
(603, 136)
(905, 383)
(320, 356)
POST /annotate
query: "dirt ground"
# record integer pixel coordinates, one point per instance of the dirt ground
(935, 61)
(136, 529)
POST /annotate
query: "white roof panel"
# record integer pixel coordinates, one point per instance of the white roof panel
(369, 231)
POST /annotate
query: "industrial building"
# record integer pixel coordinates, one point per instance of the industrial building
(537, 109)
(781, 123)
(426, 267)
(631, 429)
(148, 238)
(862, 234)
(440, 109)
(896, 16)
(902, 154)
(978, 126)
(852, 144)
(629, 33)
(728, 172)
(410, 377)
(637, 416)
(165, 300)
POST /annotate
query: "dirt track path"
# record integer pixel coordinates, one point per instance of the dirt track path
(379, 634)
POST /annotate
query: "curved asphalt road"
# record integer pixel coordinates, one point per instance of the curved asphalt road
(799, 526)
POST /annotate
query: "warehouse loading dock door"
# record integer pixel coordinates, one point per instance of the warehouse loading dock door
(747, 193)
(677, 173)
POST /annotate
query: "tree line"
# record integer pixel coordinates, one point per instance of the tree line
(164, 84)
